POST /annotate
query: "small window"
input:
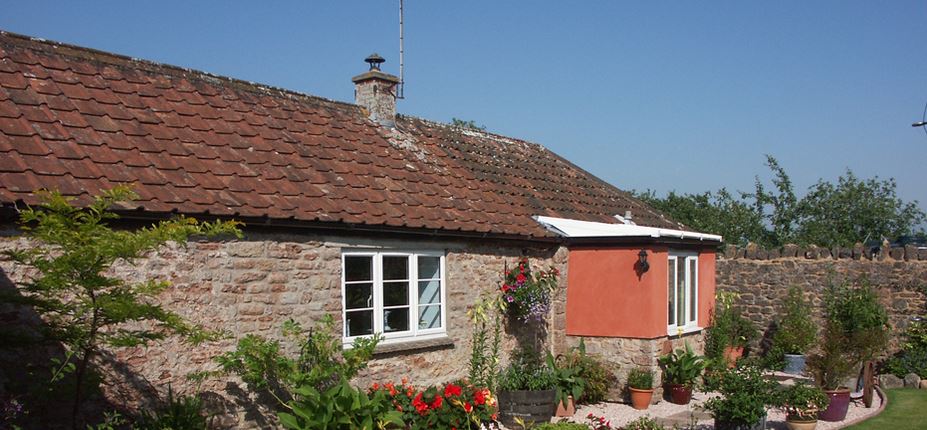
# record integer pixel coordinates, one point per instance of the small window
(398, 294)
(682, 292)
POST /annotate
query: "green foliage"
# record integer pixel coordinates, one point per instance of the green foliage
(526, 372)
(471, 124)
(568, 380)
(802, 402)
(486, 315)
(593, 371)
(832, 363)
(842, 214)
(857, 311)
(913, 355)
(644, 423)
(795, 331)
(178, 413)
(320, 364)
(727, 327)
(85, 306)
(111, 421)
(339, 406)
(682, 366)
(640, 378)
(562, 425)
(745, 394)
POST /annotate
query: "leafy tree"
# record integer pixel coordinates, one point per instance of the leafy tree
(783, 204)
(854, 210)
(83, 304)
(718, 213)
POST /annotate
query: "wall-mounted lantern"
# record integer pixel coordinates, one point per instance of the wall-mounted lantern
(642, 265)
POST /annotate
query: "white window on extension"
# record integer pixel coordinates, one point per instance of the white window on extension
(682, 292)
(398, 294)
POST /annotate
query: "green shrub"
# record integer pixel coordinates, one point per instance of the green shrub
(796, 331)
(913, 355)
(745, 394)
(803, 402)
(641, 379)
(340, 406)
(727, 326)
(568, 381)
(562, 425)
(595, 374)
(526, 372)
(832, 363)
(644, 423)
(321, 363)
(858, 312)
(178, 413)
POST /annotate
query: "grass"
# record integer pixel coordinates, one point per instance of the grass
(905, 410)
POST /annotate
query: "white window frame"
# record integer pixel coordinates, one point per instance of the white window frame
(414, 333)
(690, 320)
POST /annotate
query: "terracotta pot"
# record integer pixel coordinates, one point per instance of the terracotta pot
(796, 424)
(839, 403)
(567, 410)
(731, 354)
(680, 394)
(640, 399)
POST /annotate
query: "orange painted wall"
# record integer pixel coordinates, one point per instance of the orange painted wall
(606, 298)
(706, 285)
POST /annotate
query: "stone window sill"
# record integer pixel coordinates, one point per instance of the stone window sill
(412, 346)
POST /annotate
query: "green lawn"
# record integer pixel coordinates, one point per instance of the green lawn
(906, 410)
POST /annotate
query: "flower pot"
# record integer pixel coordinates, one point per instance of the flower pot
(794, 364)
(680, 394)
(530, 406)
(839, 403)
(640, 399)
(799, 424)
(567, 410)
(728, 425)
(732, 353)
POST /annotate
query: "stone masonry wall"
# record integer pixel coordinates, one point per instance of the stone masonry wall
(251, 286)
(762, 279)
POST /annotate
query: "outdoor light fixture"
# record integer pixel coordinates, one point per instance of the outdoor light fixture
(642, 264)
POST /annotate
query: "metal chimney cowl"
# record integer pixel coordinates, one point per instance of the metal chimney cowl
(375, 91)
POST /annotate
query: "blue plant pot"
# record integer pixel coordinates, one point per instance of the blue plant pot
(794, 364)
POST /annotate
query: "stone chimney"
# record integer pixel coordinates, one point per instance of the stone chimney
(375, 91)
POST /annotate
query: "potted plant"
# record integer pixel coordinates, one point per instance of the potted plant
(527, 390)
(745, 394)
(795, 332)
(729, 331)
(855, 331)
(681, 368)
(569, 386)
(801, 404)
(640, 385)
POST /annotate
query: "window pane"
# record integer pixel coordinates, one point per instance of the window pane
(429, 267)
(395, 320)
(429, 292)
(358, 323)
(671, 289)
(358, 296)
(693, 284)
(395, 293)
(681, 295)
(429, 317)
(395, 268)
(358, 269)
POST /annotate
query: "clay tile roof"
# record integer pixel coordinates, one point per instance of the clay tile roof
(80, 120)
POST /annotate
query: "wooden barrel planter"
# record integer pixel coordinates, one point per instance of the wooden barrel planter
(530, 406)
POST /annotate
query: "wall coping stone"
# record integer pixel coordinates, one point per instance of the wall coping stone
(812, 252)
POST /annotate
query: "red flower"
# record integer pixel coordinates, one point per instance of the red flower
(437, 403)
(467, 407)
(419, 405)
(479, 397)
(521, 278)
(452, 390)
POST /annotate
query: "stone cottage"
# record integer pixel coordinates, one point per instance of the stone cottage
(393, 224)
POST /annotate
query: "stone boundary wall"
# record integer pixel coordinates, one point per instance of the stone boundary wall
(762, 278)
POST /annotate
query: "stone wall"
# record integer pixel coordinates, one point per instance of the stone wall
(762, 278)
(251, 286)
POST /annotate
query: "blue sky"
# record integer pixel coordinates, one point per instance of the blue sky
(684, 96)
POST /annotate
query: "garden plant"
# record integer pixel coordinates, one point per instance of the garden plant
(795, 333)
(745, 395)
(681, 370)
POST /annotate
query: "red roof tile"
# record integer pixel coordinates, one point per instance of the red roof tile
(80, 121)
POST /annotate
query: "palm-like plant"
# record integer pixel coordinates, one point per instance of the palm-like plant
(682, 366)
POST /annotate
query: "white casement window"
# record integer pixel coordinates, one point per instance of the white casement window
(682, 289)
(398, 294)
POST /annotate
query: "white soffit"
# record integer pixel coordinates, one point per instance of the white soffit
(576, 228)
